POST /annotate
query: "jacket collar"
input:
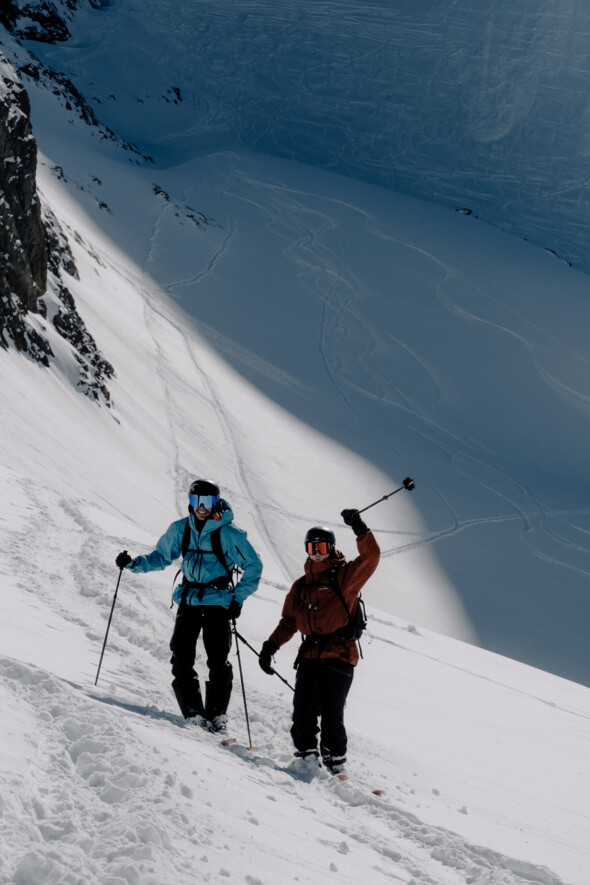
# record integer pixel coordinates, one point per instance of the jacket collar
(322, 569)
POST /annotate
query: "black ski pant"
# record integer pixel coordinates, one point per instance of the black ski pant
(321, 689)
(212, 620)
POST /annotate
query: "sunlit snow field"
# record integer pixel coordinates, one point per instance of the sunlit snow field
(307, 341)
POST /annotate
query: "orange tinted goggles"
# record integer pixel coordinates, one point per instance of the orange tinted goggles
(317, 547)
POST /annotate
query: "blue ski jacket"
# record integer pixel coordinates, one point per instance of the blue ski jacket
(200, 565)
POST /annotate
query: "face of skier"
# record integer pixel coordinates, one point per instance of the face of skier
(318, 550)
(318, 557)
(202, 505)
(201, 513)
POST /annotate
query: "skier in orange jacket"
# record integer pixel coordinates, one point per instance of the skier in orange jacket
(322, 605)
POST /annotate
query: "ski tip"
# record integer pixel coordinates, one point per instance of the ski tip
(229, 742)
(377, 792)
(342, 777)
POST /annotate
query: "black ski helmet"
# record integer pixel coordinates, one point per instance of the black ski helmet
(203, 487)
(320, 533)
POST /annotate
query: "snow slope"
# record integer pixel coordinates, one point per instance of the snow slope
(483, 764)
(308, 341)
(419, 339)
(481, 105)
(483, 761)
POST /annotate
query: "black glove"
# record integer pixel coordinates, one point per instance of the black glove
(123, 559)
(234, 610)
(353, 519)
(264, 658)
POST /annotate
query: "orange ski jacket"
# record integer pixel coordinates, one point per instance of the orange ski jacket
(313, 608)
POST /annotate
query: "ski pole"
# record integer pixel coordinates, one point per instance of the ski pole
(247, 644)
(104, 645)
(408, 484)
(236, 634)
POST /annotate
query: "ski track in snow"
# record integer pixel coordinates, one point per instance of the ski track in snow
(89, 794)
(229, 438)
(317, 249)
(504, 685)
(71, 549)
(323, 270)
(108, 800)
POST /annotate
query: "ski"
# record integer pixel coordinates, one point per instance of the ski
(304, 777)
(344, 777)
(230, 742)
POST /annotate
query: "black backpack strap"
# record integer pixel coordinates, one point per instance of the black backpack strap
(336, 588)
(218, 549)
(186, 537)
(215, 543)
(353, 620)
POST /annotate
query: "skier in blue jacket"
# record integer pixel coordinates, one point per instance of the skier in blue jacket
(210, 546)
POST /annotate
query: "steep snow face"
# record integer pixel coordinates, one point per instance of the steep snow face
(307, 340)
(385, 337)
(485, 106)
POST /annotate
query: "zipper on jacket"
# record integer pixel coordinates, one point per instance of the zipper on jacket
(312, 613)
(196, 557)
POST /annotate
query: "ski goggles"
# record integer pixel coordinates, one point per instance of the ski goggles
(206, 501)
(322, 547)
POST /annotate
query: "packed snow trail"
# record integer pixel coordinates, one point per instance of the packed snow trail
(106, 785)
(116, 792)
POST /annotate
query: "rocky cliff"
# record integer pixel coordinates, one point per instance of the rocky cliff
(22, 234)
(35, 252)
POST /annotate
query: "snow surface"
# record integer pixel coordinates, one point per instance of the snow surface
(308, 341)
(485, 105)
(416, 338)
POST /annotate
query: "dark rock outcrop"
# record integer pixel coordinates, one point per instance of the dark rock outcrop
(23, 245)
(95, 370)
(34, 252)
(37, 20)
(42, 20)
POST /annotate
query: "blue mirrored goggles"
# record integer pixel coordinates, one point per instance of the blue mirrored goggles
(207, 501)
